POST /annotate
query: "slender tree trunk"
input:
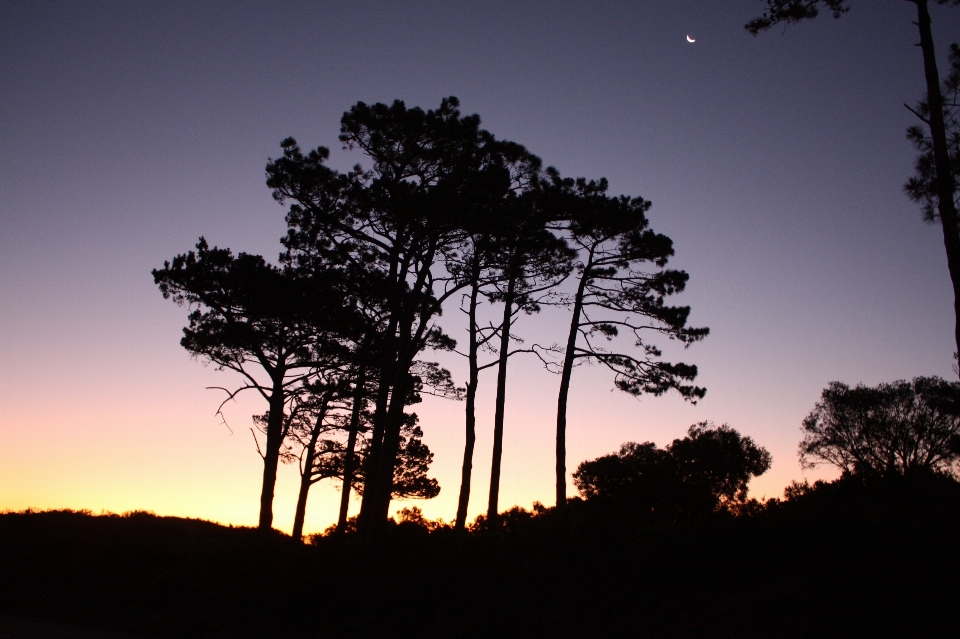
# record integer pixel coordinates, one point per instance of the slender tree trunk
(301, 511)
(946, 184)
(565, 375)
(471, 417)
(493, 501)
(349, 462)
(271, 454)
(306, 474)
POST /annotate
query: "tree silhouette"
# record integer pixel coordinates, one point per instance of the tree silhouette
(473, 269)
(614, 295)
(899, 428)
(394, 229)
(311, 418)
(357, 409)
(940, 184)
(534, 263)
(479, 269)
(254, 318)
(316, 443)
(922, 187)
(706, 471)
(516, 261)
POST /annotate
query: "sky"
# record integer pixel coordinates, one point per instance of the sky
(130, 129)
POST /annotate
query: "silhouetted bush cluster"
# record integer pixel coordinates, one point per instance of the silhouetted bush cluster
(706, 471)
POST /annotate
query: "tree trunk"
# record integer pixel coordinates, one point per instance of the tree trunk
(567, 372)
(375, 447)
(271, 454)
(471, 416)
(945, 180)
(301, 512)
(306, 473)
(349, 461)
(378, 481)
(391, 448)
(493, 501)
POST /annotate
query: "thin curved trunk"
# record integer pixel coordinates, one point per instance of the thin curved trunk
(349, 461)
(493, 501)
(565, 375)
(301, 511)
(306, 474)
(946, 184)
(271, 454)
(466, 470)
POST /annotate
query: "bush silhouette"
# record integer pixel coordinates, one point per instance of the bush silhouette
(706, 471)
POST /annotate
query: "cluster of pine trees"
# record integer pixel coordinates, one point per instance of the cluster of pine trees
(334, 336)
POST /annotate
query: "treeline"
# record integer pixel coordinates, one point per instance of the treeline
(856, 557)
(335, 336)
(662, 542)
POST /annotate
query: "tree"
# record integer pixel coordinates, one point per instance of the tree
(496, 255)
(253, 318)
(473, 268)
(616, 294)
(394, 229)
(357, 409)
(518, 262)
(899, 428)
(316, 443)
(706, 471)
(534, 263)
(922, 187)
(309, 418)
(942, 187)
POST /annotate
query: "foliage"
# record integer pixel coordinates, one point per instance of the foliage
(707, 470)
(622, 288)
(396, 228)
(410, 479)
(793, 11)
(922, 187)
(899, 428)
(255, 318)
(414, 517)
(244, 311)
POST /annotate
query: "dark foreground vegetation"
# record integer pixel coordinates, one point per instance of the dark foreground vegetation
(851, 558)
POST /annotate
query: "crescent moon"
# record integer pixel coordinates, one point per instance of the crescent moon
(689, 39)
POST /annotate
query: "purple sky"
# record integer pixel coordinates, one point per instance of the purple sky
(128, 129)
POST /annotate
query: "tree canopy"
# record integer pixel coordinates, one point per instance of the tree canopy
(899, 428)
(707, 470)
(397, 227)
(923, 187)
(373, 256)
(255, 318)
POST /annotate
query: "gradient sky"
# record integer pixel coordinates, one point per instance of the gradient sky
(129, 129)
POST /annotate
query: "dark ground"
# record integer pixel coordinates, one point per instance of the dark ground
(13, 627)
(844, 561)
